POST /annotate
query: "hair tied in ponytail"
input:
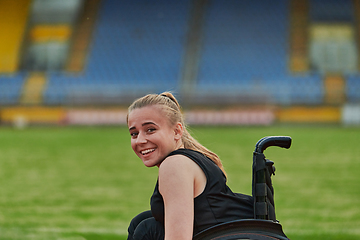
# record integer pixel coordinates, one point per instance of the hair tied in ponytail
(170, 96)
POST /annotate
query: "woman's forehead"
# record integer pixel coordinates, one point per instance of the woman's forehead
(146, 114)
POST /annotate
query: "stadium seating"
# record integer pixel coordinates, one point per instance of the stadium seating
(353, 88)
(137, 48)
(245, 50)
(331, 10)
(10, 88)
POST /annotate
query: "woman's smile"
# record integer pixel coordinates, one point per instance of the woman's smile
(147, 151)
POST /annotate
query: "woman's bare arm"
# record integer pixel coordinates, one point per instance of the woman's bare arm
(177, 185)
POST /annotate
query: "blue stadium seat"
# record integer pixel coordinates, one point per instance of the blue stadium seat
(10, 88)
(353, 88)
(331, 10)
(307, 89)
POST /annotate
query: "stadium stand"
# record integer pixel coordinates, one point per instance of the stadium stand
(331, 10)
(333, 13)
(137, 48)
(10, 88)
(13, 17)
(353, 88)
(245, 50)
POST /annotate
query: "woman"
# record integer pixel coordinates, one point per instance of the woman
(191, 192)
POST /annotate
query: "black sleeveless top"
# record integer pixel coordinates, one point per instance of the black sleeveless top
(216, 204)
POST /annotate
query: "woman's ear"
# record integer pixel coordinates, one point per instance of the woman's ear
(179, 130)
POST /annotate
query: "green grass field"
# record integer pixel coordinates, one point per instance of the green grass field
(86, 183)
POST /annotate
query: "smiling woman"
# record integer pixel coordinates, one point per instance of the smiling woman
(191, 193)
(152, 138)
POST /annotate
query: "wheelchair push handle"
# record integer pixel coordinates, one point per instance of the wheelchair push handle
(278, 141)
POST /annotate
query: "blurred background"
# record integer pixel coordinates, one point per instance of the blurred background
(281, 67)
(228, 62)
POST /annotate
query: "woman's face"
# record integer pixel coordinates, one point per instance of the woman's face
(152, 136)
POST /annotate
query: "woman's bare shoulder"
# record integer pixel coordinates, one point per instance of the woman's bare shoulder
(177, 163)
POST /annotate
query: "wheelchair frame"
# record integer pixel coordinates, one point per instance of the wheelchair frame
(264, 226)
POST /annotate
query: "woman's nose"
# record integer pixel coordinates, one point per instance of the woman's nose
(141, 138)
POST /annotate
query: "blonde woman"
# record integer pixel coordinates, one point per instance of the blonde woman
(191, 192)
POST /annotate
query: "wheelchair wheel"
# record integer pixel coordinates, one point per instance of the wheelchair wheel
(244, 229)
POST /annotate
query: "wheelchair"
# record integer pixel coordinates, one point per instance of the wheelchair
(264, 226)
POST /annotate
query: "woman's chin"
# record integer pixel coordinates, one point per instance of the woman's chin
(149, 164)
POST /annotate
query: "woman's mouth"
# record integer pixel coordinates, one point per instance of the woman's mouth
(147, 151)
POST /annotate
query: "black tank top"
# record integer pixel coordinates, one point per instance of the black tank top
(216, 204)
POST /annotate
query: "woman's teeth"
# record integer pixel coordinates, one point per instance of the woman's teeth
(147, 151)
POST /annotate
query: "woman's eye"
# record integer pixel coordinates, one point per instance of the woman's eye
(133, 134)
(150, 130)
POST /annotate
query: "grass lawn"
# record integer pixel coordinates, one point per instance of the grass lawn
(86, 183)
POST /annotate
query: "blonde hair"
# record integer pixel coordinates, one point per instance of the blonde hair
(172, 109)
